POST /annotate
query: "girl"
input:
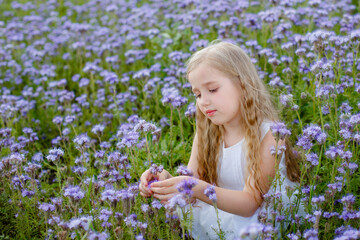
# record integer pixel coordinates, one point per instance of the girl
(231, 147)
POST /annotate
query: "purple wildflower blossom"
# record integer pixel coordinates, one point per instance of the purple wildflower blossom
(98, 129)
(55, 154)
(184, 171)
(312, 158)
(176, 200)
(98, 236)
(155, 169)
(46, 207)
(191, 110)
(81, 222)
(280, 131)
(210, 193)
(156, 204)
(74, 192)
(185, 186)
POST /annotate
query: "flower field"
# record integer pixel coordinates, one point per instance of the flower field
(94, 92)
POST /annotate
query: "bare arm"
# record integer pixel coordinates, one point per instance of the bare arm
(193, 163)
(242, 203)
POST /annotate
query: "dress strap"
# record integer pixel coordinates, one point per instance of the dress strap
(265, 127)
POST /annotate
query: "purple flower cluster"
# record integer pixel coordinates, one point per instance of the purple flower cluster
(185, 187)
(46, 207)
(191, 110)
(155, 169)
(255, 230)
(279, 131)
(183, 170)
(311, 133)
(210, 193)
(55, 154)
(172, 96)
(74, 193)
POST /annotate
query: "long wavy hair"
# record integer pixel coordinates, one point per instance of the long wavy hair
(256, 106)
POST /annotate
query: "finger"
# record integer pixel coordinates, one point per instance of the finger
(144, 194)
(161, 197)
(144, 189)
(145, 177)
(163, 190)
(164, 183)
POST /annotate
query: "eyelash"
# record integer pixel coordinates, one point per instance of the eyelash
(211, 90)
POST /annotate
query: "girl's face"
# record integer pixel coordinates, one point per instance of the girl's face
(216, 95)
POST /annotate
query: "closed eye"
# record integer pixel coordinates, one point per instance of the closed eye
(213, 90)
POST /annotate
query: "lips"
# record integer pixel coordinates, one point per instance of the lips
(210, 112)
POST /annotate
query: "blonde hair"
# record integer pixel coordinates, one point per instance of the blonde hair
(256, 107)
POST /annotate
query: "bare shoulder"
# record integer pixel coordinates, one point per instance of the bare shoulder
(268, 160)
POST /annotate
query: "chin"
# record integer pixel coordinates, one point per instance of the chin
(218, 123)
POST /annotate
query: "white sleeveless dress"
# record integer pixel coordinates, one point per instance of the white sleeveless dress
(232, 167)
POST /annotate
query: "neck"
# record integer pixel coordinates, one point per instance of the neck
(232, 135)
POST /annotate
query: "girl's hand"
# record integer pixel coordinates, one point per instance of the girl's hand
(147, 177)
(164, 190)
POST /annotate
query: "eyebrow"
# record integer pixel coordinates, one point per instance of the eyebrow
(204, 84)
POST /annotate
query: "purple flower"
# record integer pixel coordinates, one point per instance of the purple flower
(81, 222)
(109, 195)
(191, 110)
(154, 169)
(55, 154)
(46, 207)
(104, 215)
(318, 200)
(128, 140)
(131, 220)
(253, 230)
(280, 131)
(310, 133)
(74, 192)
(82, 140)
(27, 193)
(145, 208)
(172, 96)
(184, 171)
(58, 120)
(115, 157)
(286, 99)
(139, 237)
(38, 157)
(143, 126)
(98, 236)
(78, 169)
(210, 193)
(292, 236)
(156, 204)
(355, 119)
(348, 201)
(176, 200)
(311, 234)
(142, 74)
(186, 185)
(312, 158)
(98, 129)
(333, 152)
(99, 154)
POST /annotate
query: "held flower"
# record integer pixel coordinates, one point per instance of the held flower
(185, 187)
(210, 193)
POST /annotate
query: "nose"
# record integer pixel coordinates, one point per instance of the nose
(204, 100)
